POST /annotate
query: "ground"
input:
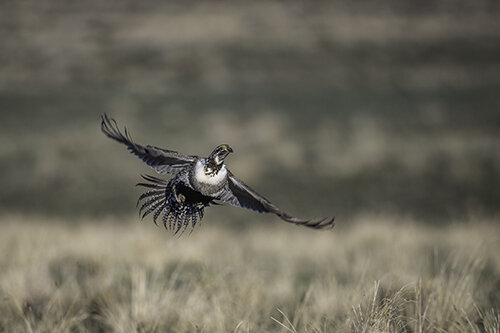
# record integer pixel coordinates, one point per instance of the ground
(376, 274)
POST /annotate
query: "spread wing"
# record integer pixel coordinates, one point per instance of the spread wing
(239, 194)
(161, 160)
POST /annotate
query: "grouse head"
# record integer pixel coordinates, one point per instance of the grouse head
(220, 153)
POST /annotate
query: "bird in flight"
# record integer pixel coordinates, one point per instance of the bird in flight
(197, 182)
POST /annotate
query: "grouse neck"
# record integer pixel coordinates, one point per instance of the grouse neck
(204, 175)
(211, 167)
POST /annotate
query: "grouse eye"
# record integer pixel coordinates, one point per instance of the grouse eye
(226, 148)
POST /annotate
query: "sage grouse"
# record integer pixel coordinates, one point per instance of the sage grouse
(197, 182)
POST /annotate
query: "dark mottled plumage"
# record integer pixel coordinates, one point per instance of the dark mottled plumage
(196, 183)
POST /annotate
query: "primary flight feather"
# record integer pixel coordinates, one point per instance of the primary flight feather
(197, 182)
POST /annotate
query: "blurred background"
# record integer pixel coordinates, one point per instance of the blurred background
(333, 107)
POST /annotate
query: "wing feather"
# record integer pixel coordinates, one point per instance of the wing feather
(161, 160)
(239, 194)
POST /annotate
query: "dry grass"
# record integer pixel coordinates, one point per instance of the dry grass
(377, 276)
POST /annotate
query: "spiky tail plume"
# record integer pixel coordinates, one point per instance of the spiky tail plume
(160, 200)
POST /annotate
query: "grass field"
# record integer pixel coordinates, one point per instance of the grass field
(376, 275)
(384, 114)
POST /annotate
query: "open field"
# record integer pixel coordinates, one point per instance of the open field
(352, 106)
(383, 114)
(378, 275)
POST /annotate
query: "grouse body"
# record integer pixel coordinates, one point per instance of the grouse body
(197, 182)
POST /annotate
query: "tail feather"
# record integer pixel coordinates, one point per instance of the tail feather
(152, 208)
(148, 194)
(150, 202)
(159, 200)
(158, 212)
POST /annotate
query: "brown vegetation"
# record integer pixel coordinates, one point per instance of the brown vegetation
(335, 107)
(381, 275)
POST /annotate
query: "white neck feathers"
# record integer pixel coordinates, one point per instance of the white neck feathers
(202, 176)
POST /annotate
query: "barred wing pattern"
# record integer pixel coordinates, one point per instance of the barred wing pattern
(239, 194)
(161, 160)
